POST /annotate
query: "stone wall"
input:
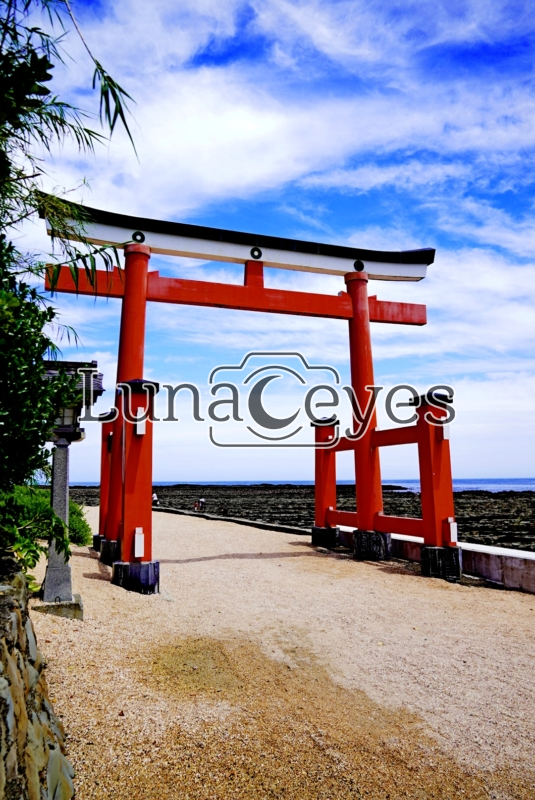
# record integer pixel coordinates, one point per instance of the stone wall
(33, 765)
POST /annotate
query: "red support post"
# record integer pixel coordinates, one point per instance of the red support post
(367, 467)
(129, 367)
(325, 476)
(105, 459)
(254, 274)
(137, 510)
(436, 484)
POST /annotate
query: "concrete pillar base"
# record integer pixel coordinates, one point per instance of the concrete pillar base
(57, 587)
(137, 576)
(97, 541)
(110, 551)
(325, 537)
(73, 609)
(441, 562)
(371, 546)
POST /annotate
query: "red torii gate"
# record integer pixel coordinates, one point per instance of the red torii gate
(126, 461)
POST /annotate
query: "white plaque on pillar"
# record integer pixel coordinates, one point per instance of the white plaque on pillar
(139, 543)
(141, 423)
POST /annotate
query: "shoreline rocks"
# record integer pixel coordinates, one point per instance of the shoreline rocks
(499, 519)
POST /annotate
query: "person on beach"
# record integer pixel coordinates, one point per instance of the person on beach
(202, 503)
(155, 501)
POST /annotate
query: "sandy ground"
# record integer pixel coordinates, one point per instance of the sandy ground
(268, 669)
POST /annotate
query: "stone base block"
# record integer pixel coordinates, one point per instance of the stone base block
(371, 546)
(110, 551)
(57, 587)
(137, 576)
(73, 609)
(325, 537)
(97, 541)
(441, 562)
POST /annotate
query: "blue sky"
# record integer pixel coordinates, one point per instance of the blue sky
(381, 125)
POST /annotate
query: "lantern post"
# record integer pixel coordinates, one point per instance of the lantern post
(57, 587)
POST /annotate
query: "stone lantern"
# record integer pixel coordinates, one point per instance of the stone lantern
(58, 580)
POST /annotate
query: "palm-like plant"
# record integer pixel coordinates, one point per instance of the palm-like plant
(32, 120)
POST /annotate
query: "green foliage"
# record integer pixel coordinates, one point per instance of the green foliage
(33, 120)
(29, 404)
(79, 531)
(27, 523)
(31, 115)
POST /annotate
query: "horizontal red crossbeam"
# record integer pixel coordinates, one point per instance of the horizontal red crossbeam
(406, 313)
(245, 298)
(393, 436)
(386, 438)
(404, 526)
(348, 518)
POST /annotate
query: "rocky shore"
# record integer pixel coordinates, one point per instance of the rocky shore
(500, 519)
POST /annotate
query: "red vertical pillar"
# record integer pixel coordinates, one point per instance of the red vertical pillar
(325, 475)
(129, 366)
(137, 510)
(105, 458)
(436, 484)
(254, 274)
(367, 466)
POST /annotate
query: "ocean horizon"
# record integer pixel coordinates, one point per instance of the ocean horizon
(411, 484)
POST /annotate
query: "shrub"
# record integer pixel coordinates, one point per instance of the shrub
(79, 531)
(27, 522)
(30, 506)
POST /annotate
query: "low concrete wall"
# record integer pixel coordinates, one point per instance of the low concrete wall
(405, 548)
(513, 569)
(33, 765)
(510, 569)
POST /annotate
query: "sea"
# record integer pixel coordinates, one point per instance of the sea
(459, 484)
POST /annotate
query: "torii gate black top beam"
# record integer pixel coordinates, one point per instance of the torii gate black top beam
(218, 244)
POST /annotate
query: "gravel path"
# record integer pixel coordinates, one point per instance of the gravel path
(267, 669)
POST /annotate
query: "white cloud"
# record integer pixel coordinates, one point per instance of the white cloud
(408, 175)
(214, 134)
(209, 134)
(480, 317)
(382, 34)
(489, 225)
